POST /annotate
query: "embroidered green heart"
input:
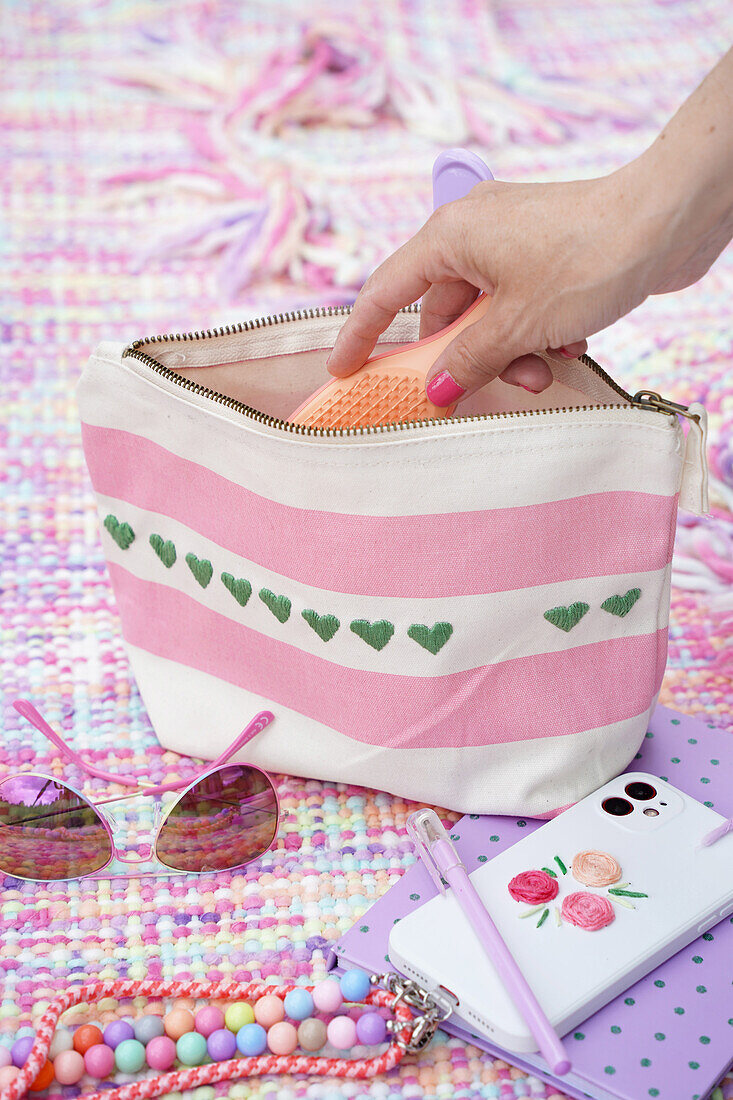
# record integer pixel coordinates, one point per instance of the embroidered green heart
(374, 634)
(240, 588)
(621, 605)
(122, 533)
(431, 638)
(201, 569)
(567, 617)
(165, 550)
(325, 626)
(278, 605)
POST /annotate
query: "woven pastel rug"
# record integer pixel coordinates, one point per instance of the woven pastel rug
(183, 164)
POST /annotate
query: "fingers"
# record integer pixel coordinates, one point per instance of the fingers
(475, 357)
(443, 304)
(396, 283)
(528, 371)
(572, 351)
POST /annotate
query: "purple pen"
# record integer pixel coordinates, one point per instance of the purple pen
(435, 849)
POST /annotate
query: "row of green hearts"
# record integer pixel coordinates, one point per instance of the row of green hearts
(375, 634)
(565, 618)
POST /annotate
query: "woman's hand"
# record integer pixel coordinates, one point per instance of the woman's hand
(561, 260)
(553, 257)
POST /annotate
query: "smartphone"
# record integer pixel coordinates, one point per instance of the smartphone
(626, 884)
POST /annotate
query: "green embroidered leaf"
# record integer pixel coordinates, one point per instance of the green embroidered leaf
(325, 626)
(122, 533)
(240, 588)
(278, 605)
(431, 638)
(567, 617)
(621, 605)
(166, 551)
(374, 634)
(201, 569)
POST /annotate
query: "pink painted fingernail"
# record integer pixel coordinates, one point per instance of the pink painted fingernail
(567, 354)
(528, 388)
(443, 390)
(329, 357)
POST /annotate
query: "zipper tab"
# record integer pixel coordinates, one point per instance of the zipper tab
(694, 486)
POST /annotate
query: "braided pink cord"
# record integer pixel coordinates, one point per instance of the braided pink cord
(194, 1076)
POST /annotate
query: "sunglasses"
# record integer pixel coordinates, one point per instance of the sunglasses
(49, 832)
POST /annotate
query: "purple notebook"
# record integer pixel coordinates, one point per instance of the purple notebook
(669, 1036)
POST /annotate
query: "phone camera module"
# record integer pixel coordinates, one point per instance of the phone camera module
(617, 807)
(642, 792)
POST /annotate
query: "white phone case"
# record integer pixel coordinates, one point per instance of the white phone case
(572, 971)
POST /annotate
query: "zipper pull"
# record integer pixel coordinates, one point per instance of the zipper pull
(694, 486)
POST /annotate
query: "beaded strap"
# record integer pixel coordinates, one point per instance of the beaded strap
(232, 1069)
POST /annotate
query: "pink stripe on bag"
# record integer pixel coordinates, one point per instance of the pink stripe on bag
(546, 695)
(450, 554)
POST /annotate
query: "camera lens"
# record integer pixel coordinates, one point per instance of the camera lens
(618, 807)
(641, 791)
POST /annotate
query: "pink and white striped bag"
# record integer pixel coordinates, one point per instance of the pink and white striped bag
(471, 613)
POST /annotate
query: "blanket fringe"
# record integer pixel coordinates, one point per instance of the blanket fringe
(248, 208)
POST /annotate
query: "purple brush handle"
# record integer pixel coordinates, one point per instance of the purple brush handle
(455, 172)
(512, 977)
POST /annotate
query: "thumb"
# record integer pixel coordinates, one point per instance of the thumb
(476, 356)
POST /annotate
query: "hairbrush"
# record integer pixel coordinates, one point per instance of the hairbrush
(390, 388)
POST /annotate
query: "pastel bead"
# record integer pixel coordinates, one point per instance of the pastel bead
(147, 1028)
(371, 1029)
(44, 1077)
(7, 1075)
(87, 1036)
(269, 1010)
(251, 1040)
(237, 1015)
(62, 1040)
(116, 1033)
(20, 1050)
(160, 1052)
(99, 1061)
(282, 1038)
(6, 1058)
(341, 1032)
(327, 996)
(355, 985)
(68, 1067)
(298, 1004)
(191, 1049)
(209, 1019)
(129, 1056)
(177, 1022)
(312, 1035)
(221, 1045)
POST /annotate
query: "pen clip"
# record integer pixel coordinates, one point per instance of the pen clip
(424, 828)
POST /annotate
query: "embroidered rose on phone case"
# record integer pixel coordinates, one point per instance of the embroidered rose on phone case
(581, 908)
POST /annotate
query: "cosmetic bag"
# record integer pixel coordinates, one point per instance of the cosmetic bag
(471, 613)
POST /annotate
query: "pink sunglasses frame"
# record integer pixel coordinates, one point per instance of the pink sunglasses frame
(146, 852)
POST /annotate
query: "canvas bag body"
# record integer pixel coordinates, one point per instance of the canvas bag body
(472, 614)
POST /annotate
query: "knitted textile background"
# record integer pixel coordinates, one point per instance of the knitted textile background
(178, 165)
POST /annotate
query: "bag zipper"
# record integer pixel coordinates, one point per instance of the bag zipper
(644, 399)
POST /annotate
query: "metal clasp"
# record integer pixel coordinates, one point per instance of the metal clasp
(431, 1010)
(651, 400)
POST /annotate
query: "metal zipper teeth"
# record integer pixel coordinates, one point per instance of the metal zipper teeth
(133, 351)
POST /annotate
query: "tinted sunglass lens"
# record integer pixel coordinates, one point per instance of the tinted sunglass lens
(48, 832)
(227, 819)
